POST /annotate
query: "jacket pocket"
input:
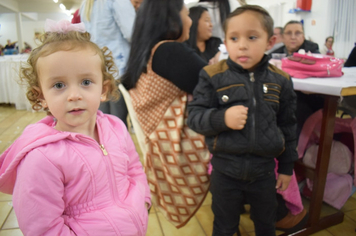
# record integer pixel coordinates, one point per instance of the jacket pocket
(271, 95)
(234, 94)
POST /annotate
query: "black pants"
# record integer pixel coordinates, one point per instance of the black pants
(229, 195)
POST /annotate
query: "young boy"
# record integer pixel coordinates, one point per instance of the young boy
(246, 110)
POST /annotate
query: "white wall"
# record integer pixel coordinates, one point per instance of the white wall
(29, 27)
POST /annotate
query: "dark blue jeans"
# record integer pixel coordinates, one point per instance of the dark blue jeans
(229, 194)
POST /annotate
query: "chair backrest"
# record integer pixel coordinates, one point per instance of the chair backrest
(136, 125)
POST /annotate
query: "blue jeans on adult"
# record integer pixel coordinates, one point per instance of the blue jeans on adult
(229, 194)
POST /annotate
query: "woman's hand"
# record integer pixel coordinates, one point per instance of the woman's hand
(215, 59)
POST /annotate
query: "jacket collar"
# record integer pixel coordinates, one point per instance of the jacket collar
(261, 66)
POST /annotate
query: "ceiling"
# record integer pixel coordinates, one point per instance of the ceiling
(38, 6)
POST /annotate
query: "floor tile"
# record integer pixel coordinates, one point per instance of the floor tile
(5, 208)
(191, 228)
(11, 221)
(5, 197)
(207, 200)
(154, 227)
(350, 205)
(11, 232)
(346, 228)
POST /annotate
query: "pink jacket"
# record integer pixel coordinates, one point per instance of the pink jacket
(67, 184)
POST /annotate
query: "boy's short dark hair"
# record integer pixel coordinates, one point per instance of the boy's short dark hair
(265, 18)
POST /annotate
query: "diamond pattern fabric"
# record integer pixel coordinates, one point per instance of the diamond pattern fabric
(177, 157)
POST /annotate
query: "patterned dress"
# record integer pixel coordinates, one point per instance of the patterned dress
(176, 161)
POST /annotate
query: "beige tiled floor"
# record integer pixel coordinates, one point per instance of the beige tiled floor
(12, 122)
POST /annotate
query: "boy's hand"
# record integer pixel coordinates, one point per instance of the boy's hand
(236, 116)
(283, 181)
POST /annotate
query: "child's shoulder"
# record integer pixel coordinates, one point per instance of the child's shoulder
(217, 68)
(276, 70)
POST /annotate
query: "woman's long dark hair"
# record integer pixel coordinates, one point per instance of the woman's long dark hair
(224, 8)
(195, 14)
(156, 20)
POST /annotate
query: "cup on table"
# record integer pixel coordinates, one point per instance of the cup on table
(278, 56)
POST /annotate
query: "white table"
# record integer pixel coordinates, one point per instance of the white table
(11, 90)
(333, 89)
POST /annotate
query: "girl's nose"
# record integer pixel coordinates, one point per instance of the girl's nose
(74, 94)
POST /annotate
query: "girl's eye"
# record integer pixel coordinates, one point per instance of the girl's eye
(86, 82)
(253, 37)
(58, 85)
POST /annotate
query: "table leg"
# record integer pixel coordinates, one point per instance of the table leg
(322, 163)
(316, 224)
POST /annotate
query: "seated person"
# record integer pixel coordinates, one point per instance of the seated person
(351, 60)
(293, 38)
(328, 46)
(200, 35)
(10, 45)
(278, 33)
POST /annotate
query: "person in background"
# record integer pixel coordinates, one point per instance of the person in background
(278, 33)
(351, 60)
(76, 17)
(294, 39)
(327, 48)
(246, 111)
(200, 36)
(219, 10)
(75, 172)
(27, 48)
(161, 72)
(10, 45)
(110, 22)
(136, 4)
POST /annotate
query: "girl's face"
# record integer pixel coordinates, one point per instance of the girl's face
(186, 22)
(205, 27)
(72, 87)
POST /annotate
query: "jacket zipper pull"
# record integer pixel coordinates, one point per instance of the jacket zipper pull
(252, 77)
(103, 150)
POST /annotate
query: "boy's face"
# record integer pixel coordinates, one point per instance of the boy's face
(246, 40)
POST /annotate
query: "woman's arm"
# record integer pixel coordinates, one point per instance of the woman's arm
(179, 64)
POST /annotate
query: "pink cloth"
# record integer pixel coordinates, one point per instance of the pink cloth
(311, 130)
(291, 195)
(64, 184)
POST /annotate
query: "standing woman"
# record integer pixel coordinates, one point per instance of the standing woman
(219, 10)
(200, 36)
(161, 72)
(110, 24)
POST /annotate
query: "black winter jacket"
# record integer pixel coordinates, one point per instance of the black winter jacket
(306, 45)
(270, 130)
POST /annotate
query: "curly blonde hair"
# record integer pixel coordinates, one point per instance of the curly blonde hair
(53, 42)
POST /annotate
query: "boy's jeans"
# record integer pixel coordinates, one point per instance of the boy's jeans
(228, 196)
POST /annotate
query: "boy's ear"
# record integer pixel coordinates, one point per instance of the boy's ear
(271, 42)
(105, 90)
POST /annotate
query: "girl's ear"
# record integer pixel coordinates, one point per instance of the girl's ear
(40, 96)
(105, 91)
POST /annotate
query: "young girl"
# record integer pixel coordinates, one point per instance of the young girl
(75, 172)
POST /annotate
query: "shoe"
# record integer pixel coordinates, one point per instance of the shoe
(293, 223)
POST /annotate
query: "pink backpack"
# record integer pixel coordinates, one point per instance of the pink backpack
(312, 65)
